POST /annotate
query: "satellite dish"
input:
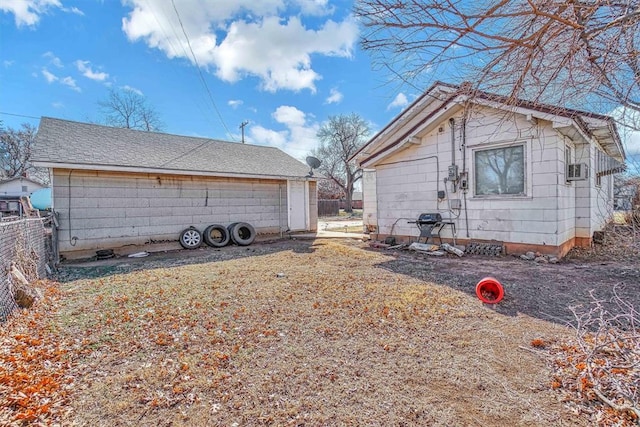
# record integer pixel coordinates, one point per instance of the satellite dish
(313, 163)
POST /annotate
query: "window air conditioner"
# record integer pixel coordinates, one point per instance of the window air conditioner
(577, 172)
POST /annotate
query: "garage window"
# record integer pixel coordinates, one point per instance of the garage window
(500, 171)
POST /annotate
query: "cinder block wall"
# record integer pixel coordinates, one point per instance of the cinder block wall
(109, 210)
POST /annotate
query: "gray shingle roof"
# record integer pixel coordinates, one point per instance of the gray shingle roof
(83, 144)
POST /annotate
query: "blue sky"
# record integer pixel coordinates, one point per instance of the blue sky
(284, 66)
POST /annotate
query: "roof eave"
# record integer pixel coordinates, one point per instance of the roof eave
(130, 169)
(419, 102)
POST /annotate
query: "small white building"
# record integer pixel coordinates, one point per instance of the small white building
(18, 187)
(528, 175)
(113, 187)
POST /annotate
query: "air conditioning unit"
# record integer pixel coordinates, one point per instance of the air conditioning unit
(577, 172)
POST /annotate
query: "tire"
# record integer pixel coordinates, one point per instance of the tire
(242, 233)
(230, 228)
(190, 238)
(216, 236)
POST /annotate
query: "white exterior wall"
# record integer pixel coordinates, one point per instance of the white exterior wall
(602, 209)
(407, 183)
(584, 192)
(369, 199)
(530, 219)
(566, 195)
(109, 210)
(14, 188)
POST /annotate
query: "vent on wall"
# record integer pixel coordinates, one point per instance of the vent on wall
(577, 172)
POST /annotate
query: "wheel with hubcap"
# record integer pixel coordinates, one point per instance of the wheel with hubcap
(190, 238)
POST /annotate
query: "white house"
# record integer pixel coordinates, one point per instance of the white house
(113, 187)
(528, 175)
(19, 186)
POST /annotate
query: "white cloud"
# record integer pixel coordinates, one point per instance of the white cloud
(132, 89)
(6, 63)
(263, 136)
(234, 103)
(315, 7)
(73, 10)
(71, 83)
(67, 81)
(244, 38)
(50, 77)
(632, 144)
(85, 69)
(53, 60)
(28, 12)
(299, 137)
(628, 120)
(399, 101)
(335, 97)
(57, 105)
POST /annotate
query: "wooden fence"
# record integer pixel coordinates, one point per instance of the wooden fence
(328, 207)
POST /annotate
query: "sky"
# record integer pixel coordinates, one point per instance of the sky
(284, 66)
(206, 66)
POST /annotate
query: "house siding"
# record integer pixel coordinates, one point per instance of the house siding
(14, 187)
(313, 206)
(369, 200)
(407, 182)
(110, 210)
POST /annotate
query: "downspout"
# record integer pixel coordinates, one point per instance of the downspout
(72, 240)
(452, 124)
(463, 131)
(280, 209)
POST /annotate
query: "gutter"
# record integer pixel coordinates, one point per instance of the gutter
(130, 169)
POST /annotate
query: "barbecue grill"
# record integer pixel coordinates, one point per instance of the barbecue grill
(430, 225)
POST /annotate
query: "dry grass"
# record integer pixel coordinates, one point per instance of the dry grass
(316, 334)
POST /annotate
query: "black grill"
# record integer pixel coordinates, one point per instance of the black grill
(430, 225)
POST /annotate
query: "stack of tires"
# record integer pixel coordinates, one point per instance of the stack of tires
(218, 236)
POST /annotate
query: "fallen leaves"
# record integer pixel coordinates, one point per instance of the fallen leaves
(599, 371)
(34, 364)
(338, 338)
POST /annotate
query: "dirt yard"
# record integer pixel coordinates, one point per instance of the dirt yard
(298, 332)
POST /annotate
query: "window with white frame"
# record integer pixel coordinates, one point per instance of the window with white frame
(500, 171)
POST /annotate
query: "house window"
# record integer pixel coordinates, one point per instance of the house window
(500, 171)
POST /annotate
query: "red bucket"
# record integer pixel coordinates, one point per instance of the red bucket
(489, 290)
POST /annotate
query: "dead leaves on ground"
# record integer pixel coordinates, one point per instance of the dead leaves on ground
(599, 375)
(34, 384)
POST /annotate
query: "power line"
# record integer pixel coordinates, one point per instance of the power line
(19, 115)
(193, 55)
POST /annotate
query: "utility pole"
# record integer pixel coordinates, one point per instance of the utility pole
(242, 125)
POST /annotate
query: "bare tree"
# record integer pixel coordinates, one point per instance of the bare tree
(126, 108)
(569, 52)
(15, 153)
(328, 190)
(340, 137)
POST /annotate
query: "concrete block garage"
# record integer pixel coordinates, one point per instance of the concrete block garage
(114, 187)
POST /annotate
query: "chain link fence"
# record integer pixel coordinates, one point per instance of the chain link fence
(27, 244)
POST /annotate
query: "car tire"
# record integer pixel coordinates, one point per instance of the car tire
(190, 238)
(216, 236)
(242, 233)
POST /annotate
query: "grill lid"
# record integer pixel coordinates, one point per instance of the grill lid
(429, 218)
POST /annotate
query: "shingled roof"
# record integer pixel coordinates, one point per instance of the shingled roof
(66, 144)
